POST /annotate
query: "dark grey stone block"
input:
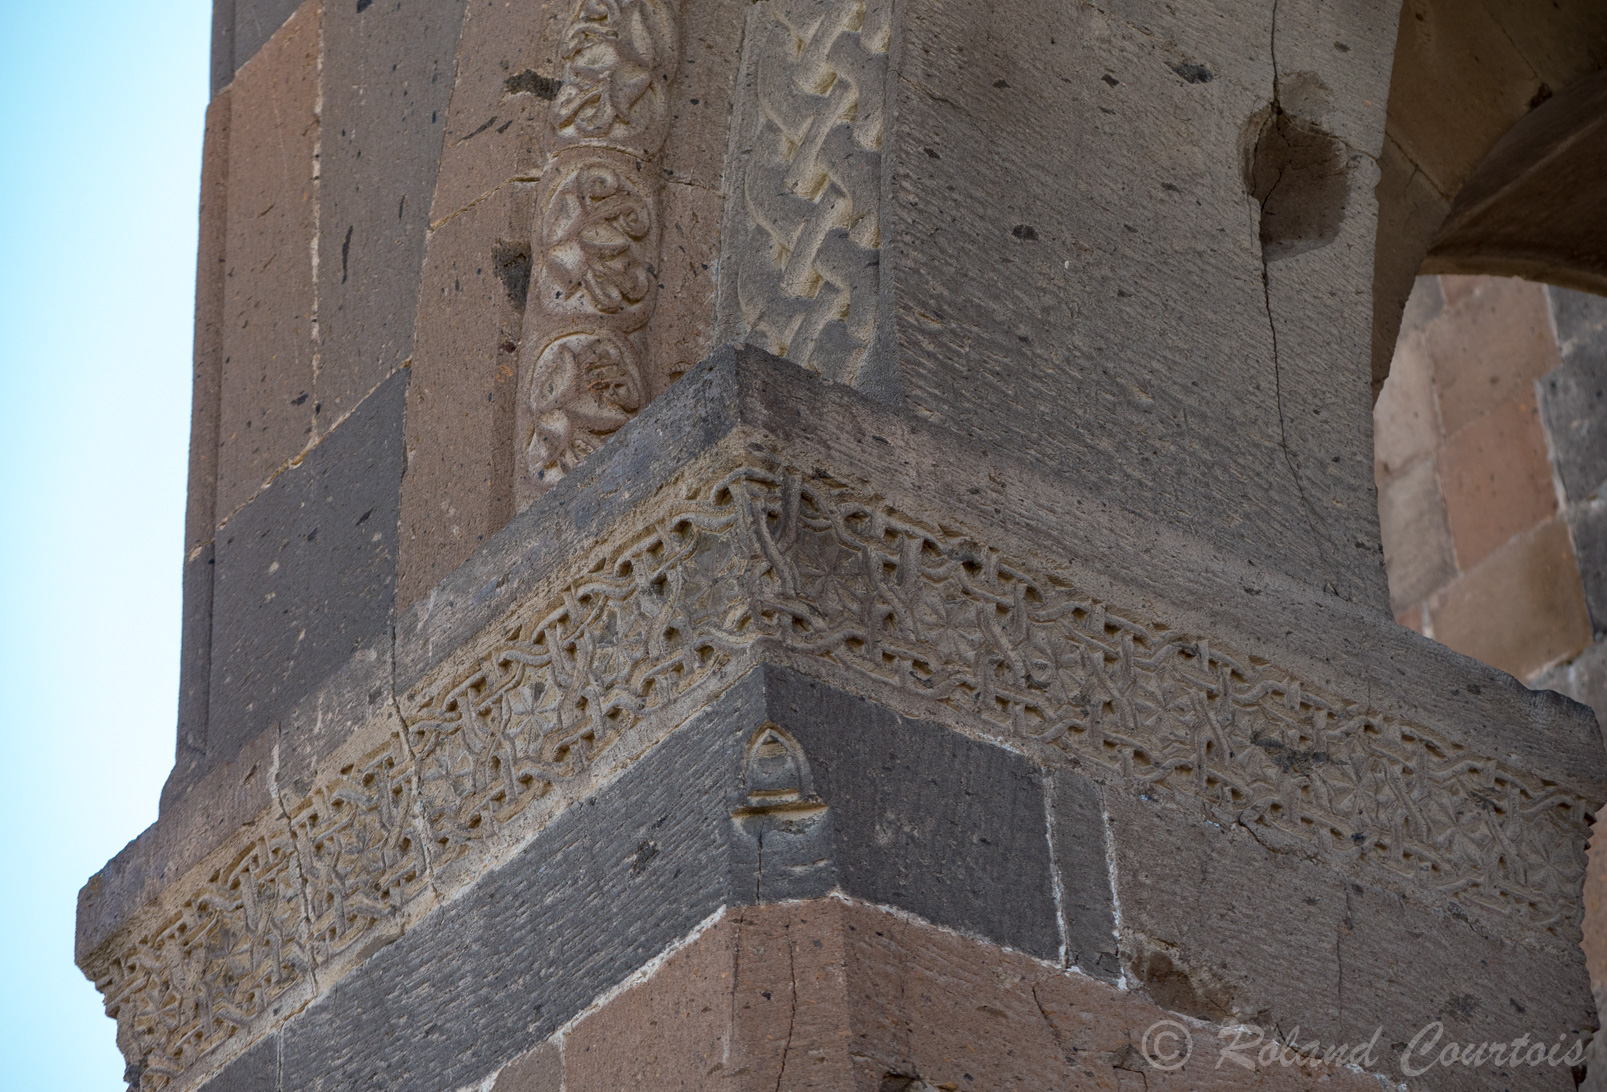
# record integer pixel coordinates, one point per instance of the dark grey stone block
(603, 890)
(387, 79)
(222, 44)
(1087, 901)
(1573, 398)
(306, 573)
(924, 818)
(1588, 524)
(257, 1070)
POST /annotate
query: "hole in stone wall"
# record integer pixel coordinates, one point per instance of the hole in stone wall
(1299, 175)
(512, 262)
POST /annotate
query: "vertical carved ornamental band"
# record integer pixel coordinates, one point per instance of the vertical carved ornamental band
(804, 245)
(595, 280)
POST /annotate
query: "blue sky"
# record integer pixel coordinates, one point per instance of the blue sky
(97, 268)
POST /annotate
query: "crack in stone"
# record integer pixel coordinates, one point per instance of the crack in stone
(792, 1016)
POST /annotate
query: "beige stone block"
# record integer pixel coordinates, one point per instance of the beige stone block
(1489, 345)
(1522, 609)
(1406, 421)
(458, 489)
(508, 72)
(700, 98)
(1417, 539)
(1496, 477)
(267, 407)
(540, 1070)
(1459, 82)
(681, 332)
(1410, 211)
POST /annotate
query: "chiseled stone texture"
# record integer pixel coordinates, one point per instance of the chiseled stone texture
(267, 386)
(842, 996)
(1101, 301)
(1208, 910)
(387, 79)
(464, 378)
(306, 573)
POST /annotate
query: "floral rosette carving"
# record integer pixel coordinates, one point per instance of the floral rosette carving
(597, 235)
(601, 233)
(586, 386)
(619, 57)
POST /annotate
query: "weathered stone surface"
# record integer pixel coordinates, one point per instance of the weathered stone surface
(1573, 398)
(1532, 585)
(539, 1071)
(1496, 475)
(1587, 523)
(1092, 340)
(496, 125)
(257, 1070)
(925, 818)
(1417, 536)
(1406, 417)
(200, 513)
(1489, 347)
(256, 21)
(463, 381)
(267, 388)
(1082, 861)
(306, 573)
(1351, 957)
(387, 82)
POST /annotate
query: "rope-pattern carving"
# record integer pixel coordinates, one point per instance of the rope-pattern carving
(807, 262)
(595, 279)
(819, 569)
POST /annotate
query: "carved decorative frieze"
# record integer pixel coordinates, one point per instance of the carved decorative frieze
(597, 234)
(804, 249)
(821, 571)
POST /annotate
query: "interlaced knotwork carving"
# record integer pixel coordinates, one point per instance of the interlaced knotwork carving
(820, 570)
(808, 263)
(597, 234)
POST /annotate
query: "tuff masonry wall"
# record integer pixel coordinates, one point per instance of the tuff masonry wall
(1033, 600)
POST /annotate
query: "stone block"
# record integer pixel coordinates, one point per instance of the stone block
(1496, 476)
(267, 373)
(211, 306)
(702, 96)
(541, 1070)
(925, 818)
(1489, 347)
(1587, 523)
(1410, 211)
(1068, 343)
(387, 81)
(1573, 398)
(305, 573)
(1207, 909)
(496, 125)
(681, 332)
(256, 21)
(1532, 586)
(463, 381)
(257, 1070)
(1417, 536)
(1082, 863)
(1406, 421)
(221, 67)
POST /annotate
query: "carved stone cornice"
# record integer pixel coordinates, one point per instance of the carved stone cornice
(762, 560)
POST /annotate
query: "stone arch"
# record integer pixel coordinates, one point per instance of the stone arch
(1490, 107)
